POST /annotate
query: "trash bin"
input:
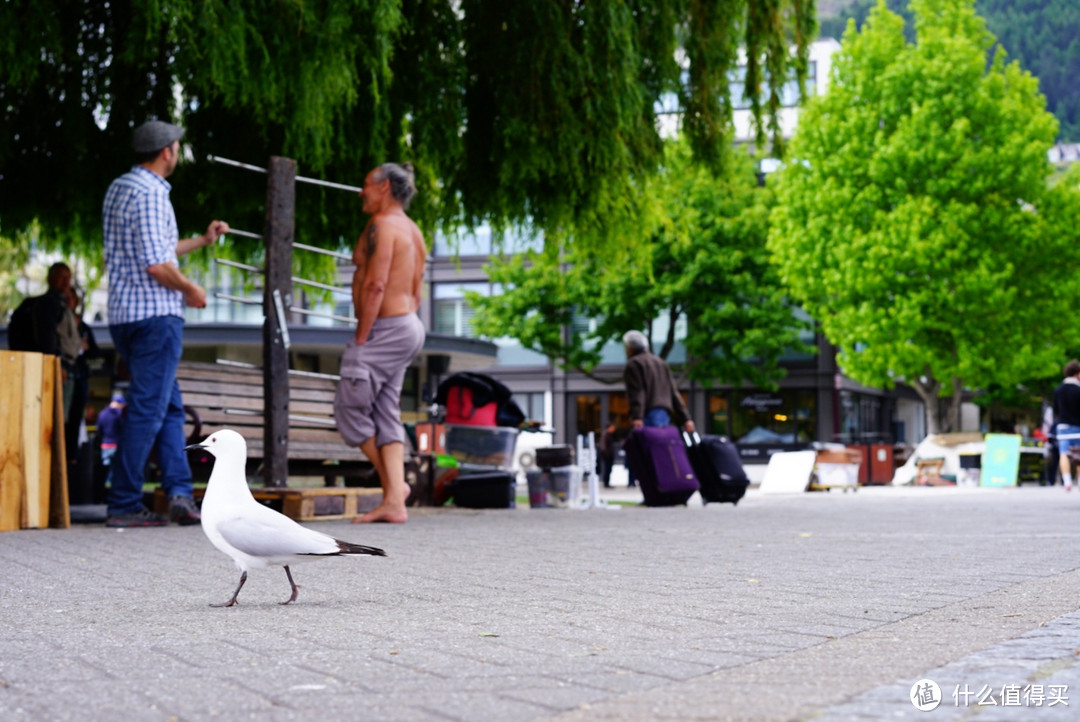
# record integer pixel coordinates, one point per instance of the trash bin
(882, 465)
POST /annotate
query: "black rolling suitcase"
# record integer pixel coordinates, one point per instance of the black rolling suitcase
(657, 456)
(717, 466)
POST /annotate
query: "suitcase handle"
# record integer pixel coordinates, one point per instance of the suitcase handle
(691, 438)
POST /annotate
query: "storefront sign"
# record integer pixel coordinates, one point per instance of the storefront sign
(1001, 460)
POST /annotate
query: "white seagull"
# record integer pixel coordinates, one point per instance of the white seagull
(256, 536)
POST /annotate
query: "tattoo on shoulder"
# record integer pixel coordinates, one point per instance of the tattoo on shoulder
(371, 241)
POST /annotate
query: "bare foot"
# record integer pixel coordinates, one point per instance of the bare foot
(395, 514)
(392, 511)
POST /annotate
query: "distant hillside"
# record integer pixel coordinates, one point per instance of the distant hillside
(1043, 35)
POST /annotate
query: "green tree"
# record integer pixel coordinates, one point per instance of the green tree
(699, 256)
(917, 224)
(538, 111)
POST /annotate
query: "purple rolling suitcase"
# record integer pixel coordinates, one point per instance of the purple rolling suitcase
(657, 456)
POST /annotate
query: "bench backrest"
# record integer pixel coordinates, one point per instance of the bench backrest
(230, 396)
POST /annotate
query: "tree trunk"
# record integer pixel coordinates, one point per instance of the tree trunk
(928, 392)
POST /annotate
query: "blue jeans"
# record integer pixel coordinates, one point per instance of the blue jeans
(106, 461)
(154, 414)
(657, 417)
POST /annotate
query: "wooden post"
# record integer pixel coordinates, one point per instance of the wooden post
(277, 298)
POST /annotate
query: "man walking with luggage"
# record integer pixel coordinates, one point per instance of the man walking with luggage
(650, 387)
(654, 399)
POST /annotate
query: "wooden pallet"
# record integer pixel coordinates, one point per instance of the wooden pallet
(314, 504)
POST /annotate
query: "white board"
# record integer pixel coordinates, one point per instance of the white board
(788, 472)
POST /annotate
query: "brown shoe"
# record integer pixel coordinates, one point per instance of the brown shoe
(183, 511)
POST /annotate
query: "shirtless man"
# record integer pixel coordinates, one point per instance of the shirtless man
(389, 258)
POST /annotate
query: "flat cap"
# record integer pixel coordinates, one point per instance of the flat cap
(155, 135)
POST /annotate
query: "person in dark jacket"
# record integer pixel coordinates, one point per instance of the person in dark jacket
(50, 312)
(56, 331)
(650, 388)
(1067, 413)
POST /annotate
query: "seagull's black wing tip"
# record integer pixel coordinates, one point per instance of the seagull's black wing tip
(345, 547)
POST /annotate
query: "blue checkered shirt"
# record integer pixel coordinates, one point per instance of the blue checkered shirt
(140, 231)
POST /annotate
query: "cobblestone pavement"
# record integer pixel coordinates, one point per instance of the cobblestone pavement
(807, 606)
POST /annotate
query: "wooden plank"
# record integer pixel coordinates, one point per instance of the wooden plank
(59, 511)
(11, 447)
(218, 418)
(195, 369)
(225, 389)
(36, 447)
(213, 401)
(323, 395)
(315, 426)
(192, 372)
(311, 382)
(254, 405)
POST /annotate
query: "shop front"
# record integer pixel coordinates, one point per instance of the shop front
(762, 423)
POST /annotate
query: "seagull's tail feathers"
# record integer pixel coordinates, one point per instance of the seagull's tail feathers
(347, 548)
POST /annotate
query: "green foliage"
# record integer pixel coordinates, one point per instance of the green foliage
(699, 254)
(917, 225)
(534, 111)
(1043, 35)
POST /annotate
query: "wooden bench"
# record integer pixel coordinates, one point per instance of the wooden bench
(231, 396)
(228, 395)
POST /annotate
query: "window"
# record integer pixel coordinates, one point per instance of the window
(453, 314)
(483, 241)
(510, 352)
(463, 243)
(785, 418)
(860, 418)
(613, 353)
(533, 405)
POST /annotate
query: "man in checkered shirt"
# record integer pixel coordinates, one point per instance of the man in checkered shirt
(147, 295)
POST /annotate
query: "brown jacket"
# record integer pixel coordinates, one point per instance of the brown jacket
(650, 385)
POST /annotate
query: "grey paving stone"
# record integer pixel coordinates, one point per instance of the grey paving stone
(790, 607)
